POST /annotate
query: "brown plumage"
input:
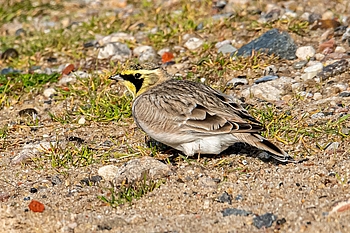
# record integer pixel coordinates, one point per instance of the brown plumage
(191, 117)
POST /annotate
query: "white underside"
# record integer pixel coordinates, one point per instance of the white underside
(207, 145)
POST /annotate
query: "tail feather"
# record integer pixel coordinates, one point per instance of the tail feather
(264, 144)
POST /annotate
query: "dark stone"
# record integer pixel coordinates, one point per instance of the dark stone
(33, 190)
(266, 79)
(56, 180)
(271, 42)
(75, 139)
(239, 197)
(95, 179)
(20, 32)
(281, 221)
(225, 197)
(9, 53)
(333, 69)
(199, 27)
(344, 94)
(234, 211)
(28, 112)
(265, 220)
(52, 59)
(26, 198)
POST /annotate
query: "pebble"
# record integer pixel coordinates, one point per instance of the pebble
(227, 48)
(193, 43)
(225, 198)
(31, 150)
(237, 81)
(333, 69)
(145, 53)
(114, 51)
(269, 91)
(9, 71)
(318, 115)
(135, 170)
(162, 51)
(49, 92)
(108, 172)
(116, 37)
(332, 147)
(311, 71)
(81, 121)
(299, 64)
(305, 52)
(266, 79)
(265, 220)
(270, 70)
(317, 96)
(344, 94)
(234, 211)
(272, 42)
(222, 43)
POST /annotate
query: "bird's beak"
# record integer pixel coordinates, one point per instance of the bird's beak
(116, 77)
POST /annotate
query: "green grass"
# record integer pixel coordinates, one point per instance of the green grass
(129, 192)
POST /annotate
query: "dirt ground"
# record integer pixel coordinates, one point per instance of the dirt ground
(309, 196)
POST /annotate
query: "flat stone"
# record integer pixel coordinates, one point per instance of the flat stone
(237, 81)
(108, 172)
(305, 52)
(115, 51)
(227, 48)
(265, 220)
(194, 43)
(136, 170)
(271, 42)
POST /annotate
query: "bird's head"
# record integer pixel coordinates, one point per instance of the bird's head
(138, 81)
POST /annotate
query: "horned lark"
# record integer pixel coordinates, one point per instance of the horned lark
(189, 116)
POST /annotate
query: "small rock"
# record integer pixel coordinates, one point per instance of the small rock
(311, 71)
(207, 182)
(162, 51)
(222, 43)
(271, 42)
(81, 121)
(56, 180)
(222, 16)
(10, 53)
(36, 206)
(239, 197)
(145, 53)
(135, 170)
(344, 94)
(116, 37)
(332, 147)
(237, 81)
(31, 150)
(265, 220)
(227, 48)
(345, 131)
(115, 51)
(193, 43)
(225, 197)
(234, 211)
(299, 64)
(318, 115)
(65, 79)
(266, 79)
(305, 52)
(49, 92)
(270, 70)
(333, 69)
(108, 172)
(270, 91)
(9, 71)
(317, 96)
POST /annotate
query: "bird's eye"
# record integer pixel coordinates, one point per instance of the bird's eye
(137, 75)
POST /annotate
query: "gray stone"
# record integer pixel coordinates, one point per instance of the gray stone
(116, 37)
(136, 170)
(271, 42)
(115, 51)
(234, 211)
(266, 79)
(222, 43)
(145, 53)
(227, 48)
(193, 43)
(270, 91)
(108, 172)
(265, 220)
(299, 64)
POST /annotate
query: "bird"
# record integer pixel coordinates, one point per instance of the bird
(190, 116)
